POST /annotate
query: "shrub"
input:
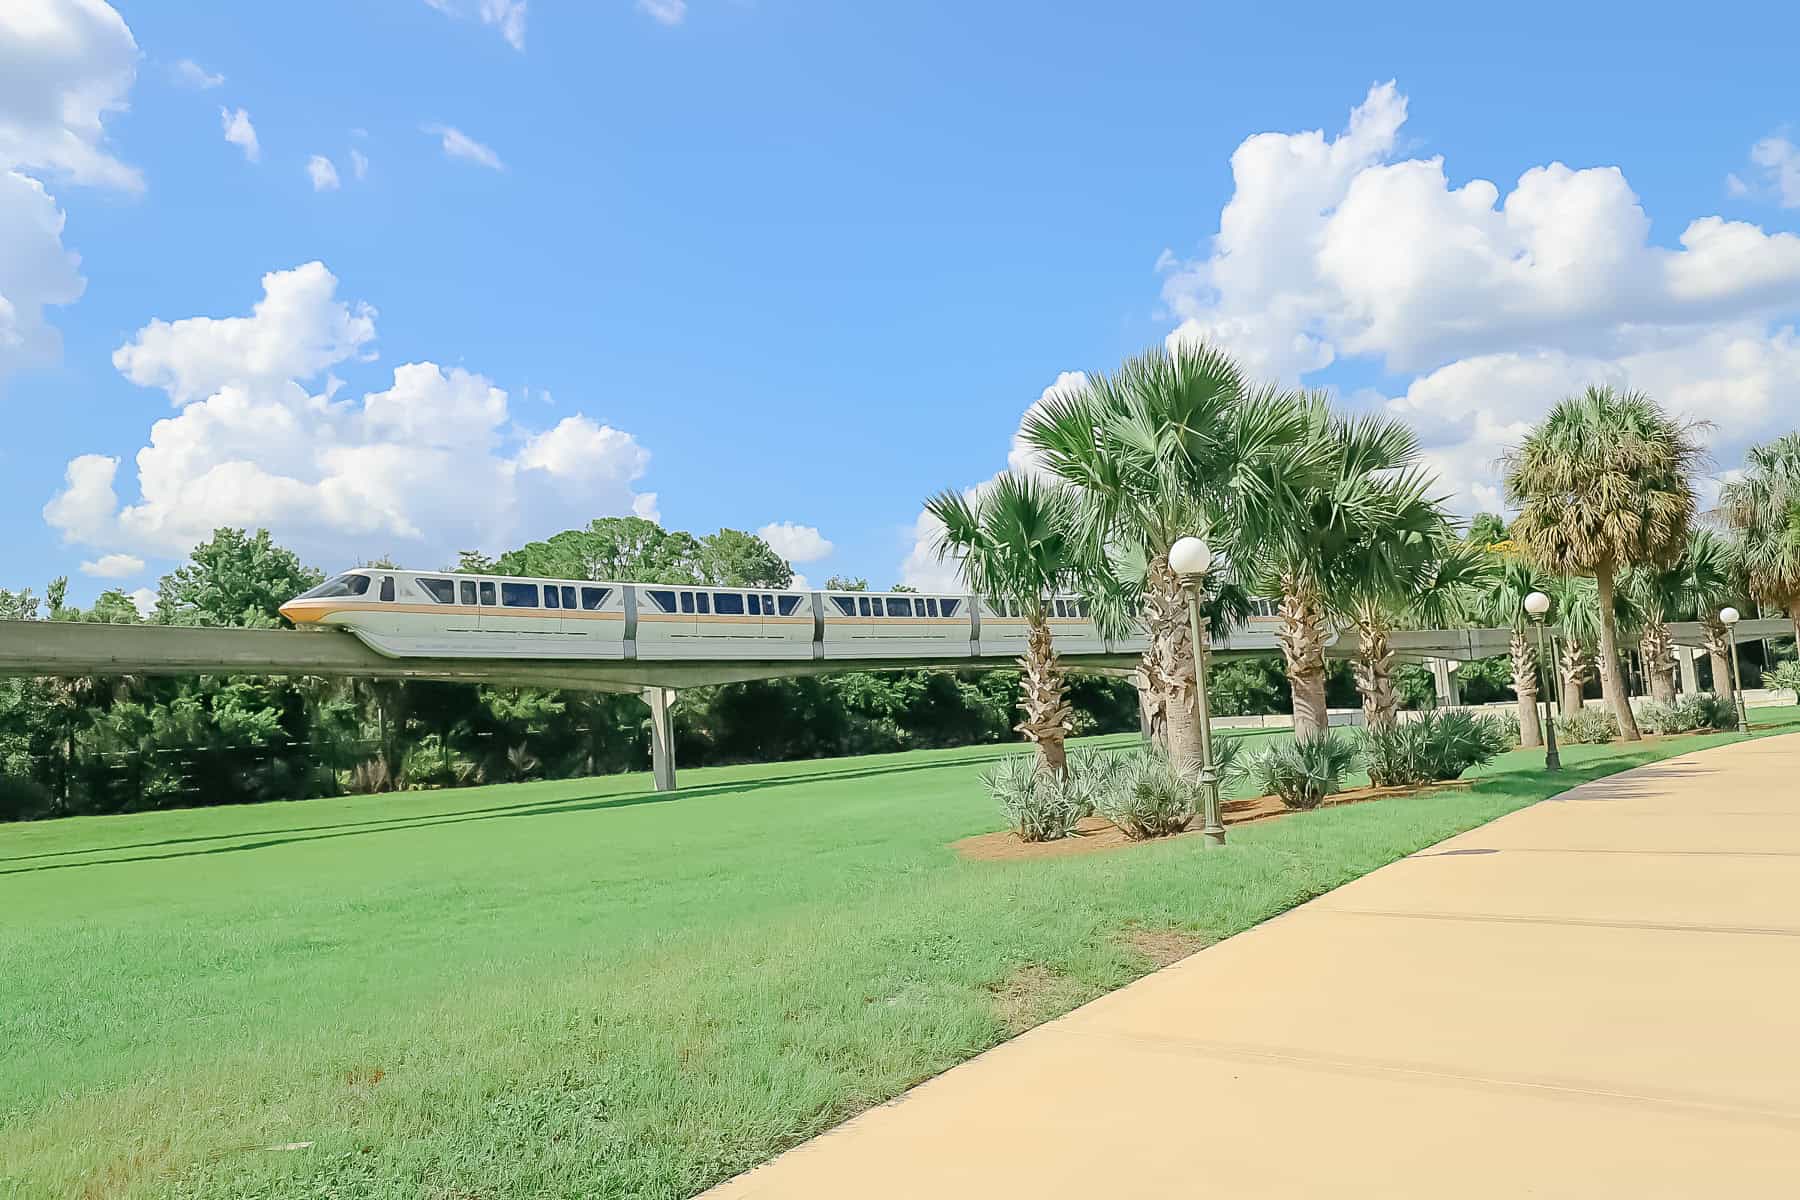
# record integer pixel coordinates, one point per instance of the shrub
(1304, 771)
(1147, 797)
(1785, 678)
(1590, 725)
(23, 799)
(1088, 774)
(1656, 717)
(1440, 744)
(1714, 711)
(1037, 803)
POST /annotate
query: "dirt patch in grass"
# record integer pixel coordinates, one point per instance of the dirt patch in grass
(1094, 834)
(1163, 946)
(1032, 994)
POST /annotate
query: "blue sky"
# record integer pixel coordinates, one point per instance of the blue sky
(742, 262)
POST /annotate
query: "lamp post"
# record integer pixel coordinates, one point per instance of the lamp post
(1537, 604)
(1189, 558)
(1728, 617)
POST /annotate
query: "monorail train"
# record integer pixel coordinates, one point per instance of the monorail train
(444, 615)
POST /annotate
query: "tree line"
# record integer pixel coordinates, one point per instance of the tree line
(1333, 518)
(100, 745)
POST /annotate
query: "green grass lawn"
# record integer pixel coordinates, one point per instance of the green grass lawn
(583, 988)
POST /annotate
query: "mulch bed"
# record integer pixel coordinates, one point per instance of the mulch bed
(1095, 834)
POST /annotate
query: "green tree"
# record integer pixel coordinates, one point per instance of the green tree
(1417, 574)
(1696, 585)
(1015, 544)
(1501, 602)
(1487, 529)
(233, 579)
(847, 583)
(1603, 484)
(1351, 534)
(733, 558)
(1174, 443)
(1764, 508)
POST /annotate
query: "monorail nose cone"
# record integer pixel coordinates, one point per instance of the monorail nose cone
(294, 612)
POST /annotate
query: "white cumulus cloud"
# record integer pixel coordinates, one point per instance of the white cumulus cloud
(323, 174)
(429, 465)
(113, 566)
(144, 599)
(794, 542)
(665, 12)
(508, 16)
(457, 144)
(65, 65)
(1495, 303)
(189, 73)
(240, 132)
(1777, 172)
(359, 163)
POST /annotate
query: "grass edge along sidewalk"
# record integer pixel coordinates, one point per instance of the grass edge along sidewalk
(818, 950)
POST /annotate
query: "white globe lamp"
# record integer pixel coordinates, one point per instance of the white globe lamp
(1537, 604)
(1190, 557)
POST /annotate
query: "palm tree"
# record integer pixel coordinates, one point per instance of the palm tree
(1500, 602)
(1173, 443)
(1764, 507)
(1015, 541)
(1698, 583)
(1419, 581)
(1348, 528)
(1604, 484)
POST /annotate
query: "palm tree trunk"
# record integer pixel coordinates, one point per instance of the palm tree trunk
(1718, 653)
(1043, 698)
(1525, 687)
(1657, 649)
(1169, 664)
(1373, 668)
(1574, 670)
(1612, 676)
(1301, 634)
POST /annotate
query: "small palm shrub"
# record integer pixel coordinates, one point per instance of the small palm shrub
(1713, 711)
(1439, 745)
(1147, 797)
(1304, 771)
(1656, 717)
(1088, 773)
(1592, 726)
(1785, 678)
(1039, 805)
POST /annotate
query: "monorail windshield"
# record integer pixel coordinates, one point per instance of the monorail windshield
(338, 585)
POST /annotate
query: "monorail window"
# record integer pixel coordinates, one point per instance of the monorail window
(487, 595)
(846, 604)
(949, 607)
(791, 604)
(468, 592)
(593, 598)
(862, 606)
(519, 595)
(387, 587)
(898, 607)
(931, 608)
(550, 600)
(728, 604)
(441, 590)
(687, 602)
(1081, 609)
(338, 585)
(664, 600)
(568, 596)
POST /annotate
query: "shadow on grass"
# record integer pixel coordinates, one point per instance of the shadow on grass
(266, 838)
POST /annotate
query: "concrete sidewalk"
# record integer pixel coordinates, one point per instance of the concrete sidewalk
(1595, 996)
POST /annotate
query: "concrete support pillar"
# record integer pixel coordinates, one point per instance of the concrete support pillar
(662, 736)
(1690, 675)
(1444, 681)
